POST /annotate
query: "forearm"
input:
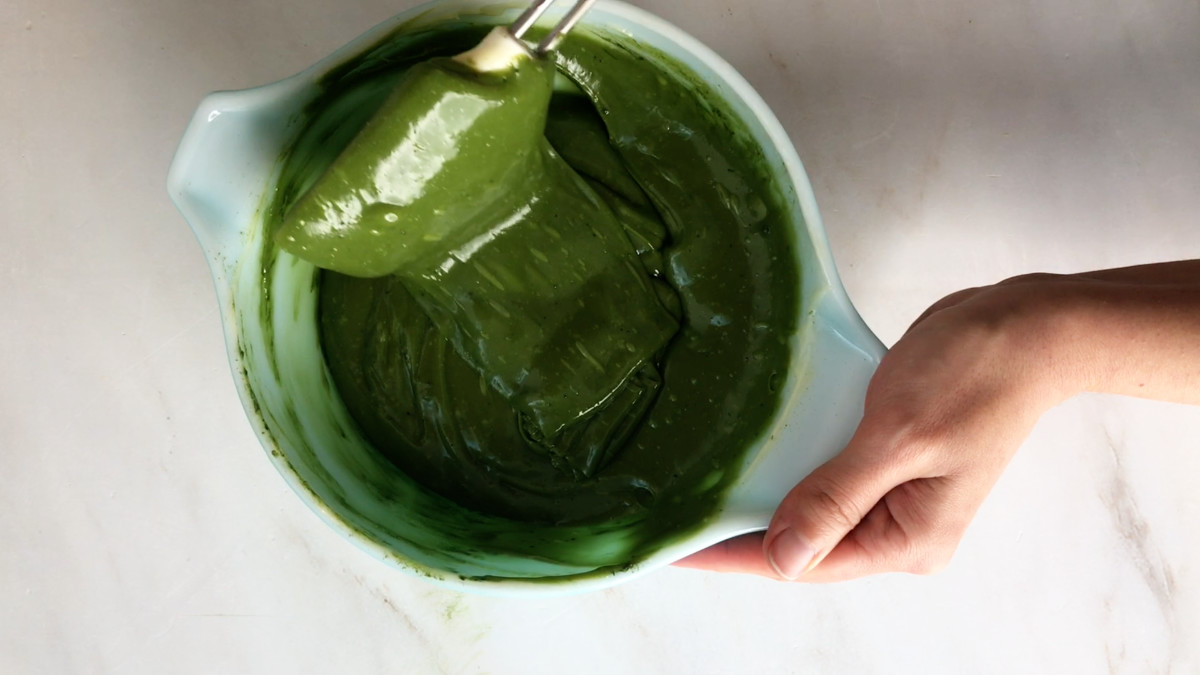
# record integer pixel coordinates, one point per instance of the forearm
(1186, 272)
(1133, 331)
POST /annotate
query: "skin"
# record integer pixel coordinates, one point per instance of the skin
(954, 399)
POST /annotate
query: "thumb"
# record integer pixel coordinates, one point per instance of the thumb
(824, 507)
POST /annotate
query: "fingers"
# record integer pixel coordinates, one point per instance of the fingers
(826, 506)
(742, 555)
(915, 528)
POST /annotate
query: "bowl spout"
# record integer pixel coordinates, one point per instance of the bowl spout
(225, 162)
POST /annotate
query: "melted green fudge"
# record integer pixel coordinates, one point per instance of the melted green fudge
(597, 330)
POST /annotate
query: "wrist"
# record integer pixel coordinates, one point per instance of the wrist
(1054, 319)
(1118, 336)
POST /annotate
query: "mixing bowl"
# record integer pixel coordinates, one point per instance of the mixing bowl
(221, 178)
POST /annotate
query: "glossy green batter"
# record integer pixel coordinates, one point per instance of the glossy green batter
(688, 254)
(529, 273)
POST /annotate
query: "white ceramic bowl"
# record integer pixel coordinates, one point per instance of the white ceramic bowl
(226, 165)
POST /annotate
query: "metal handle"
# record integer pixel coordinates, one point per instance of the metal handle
(556, 34)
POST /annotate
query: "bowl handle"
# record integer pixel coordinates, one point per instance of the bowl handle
(820, 417)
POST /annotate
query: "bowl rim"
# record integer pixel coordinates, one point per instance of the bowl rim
(830, 288)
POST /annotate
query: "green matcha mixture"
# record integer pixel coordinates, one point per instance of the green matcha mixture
(563, 307)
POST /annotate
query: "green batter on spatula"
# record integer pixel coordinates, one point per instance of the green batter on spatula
(453, 188)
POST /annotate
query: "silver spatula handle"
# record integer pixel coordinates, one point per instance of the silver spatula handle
(556, 34)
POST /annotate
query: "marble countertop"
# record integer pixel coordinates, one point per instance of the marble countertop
(950, 144)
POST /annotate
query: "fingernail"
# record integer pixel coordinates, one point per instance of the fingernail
(790, 554)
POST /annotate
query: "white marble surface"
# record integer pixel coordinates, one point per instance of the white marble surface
(950, 144)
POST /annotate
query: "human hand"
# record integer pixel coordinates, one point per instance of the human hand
(952, 401)
(944, 413)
